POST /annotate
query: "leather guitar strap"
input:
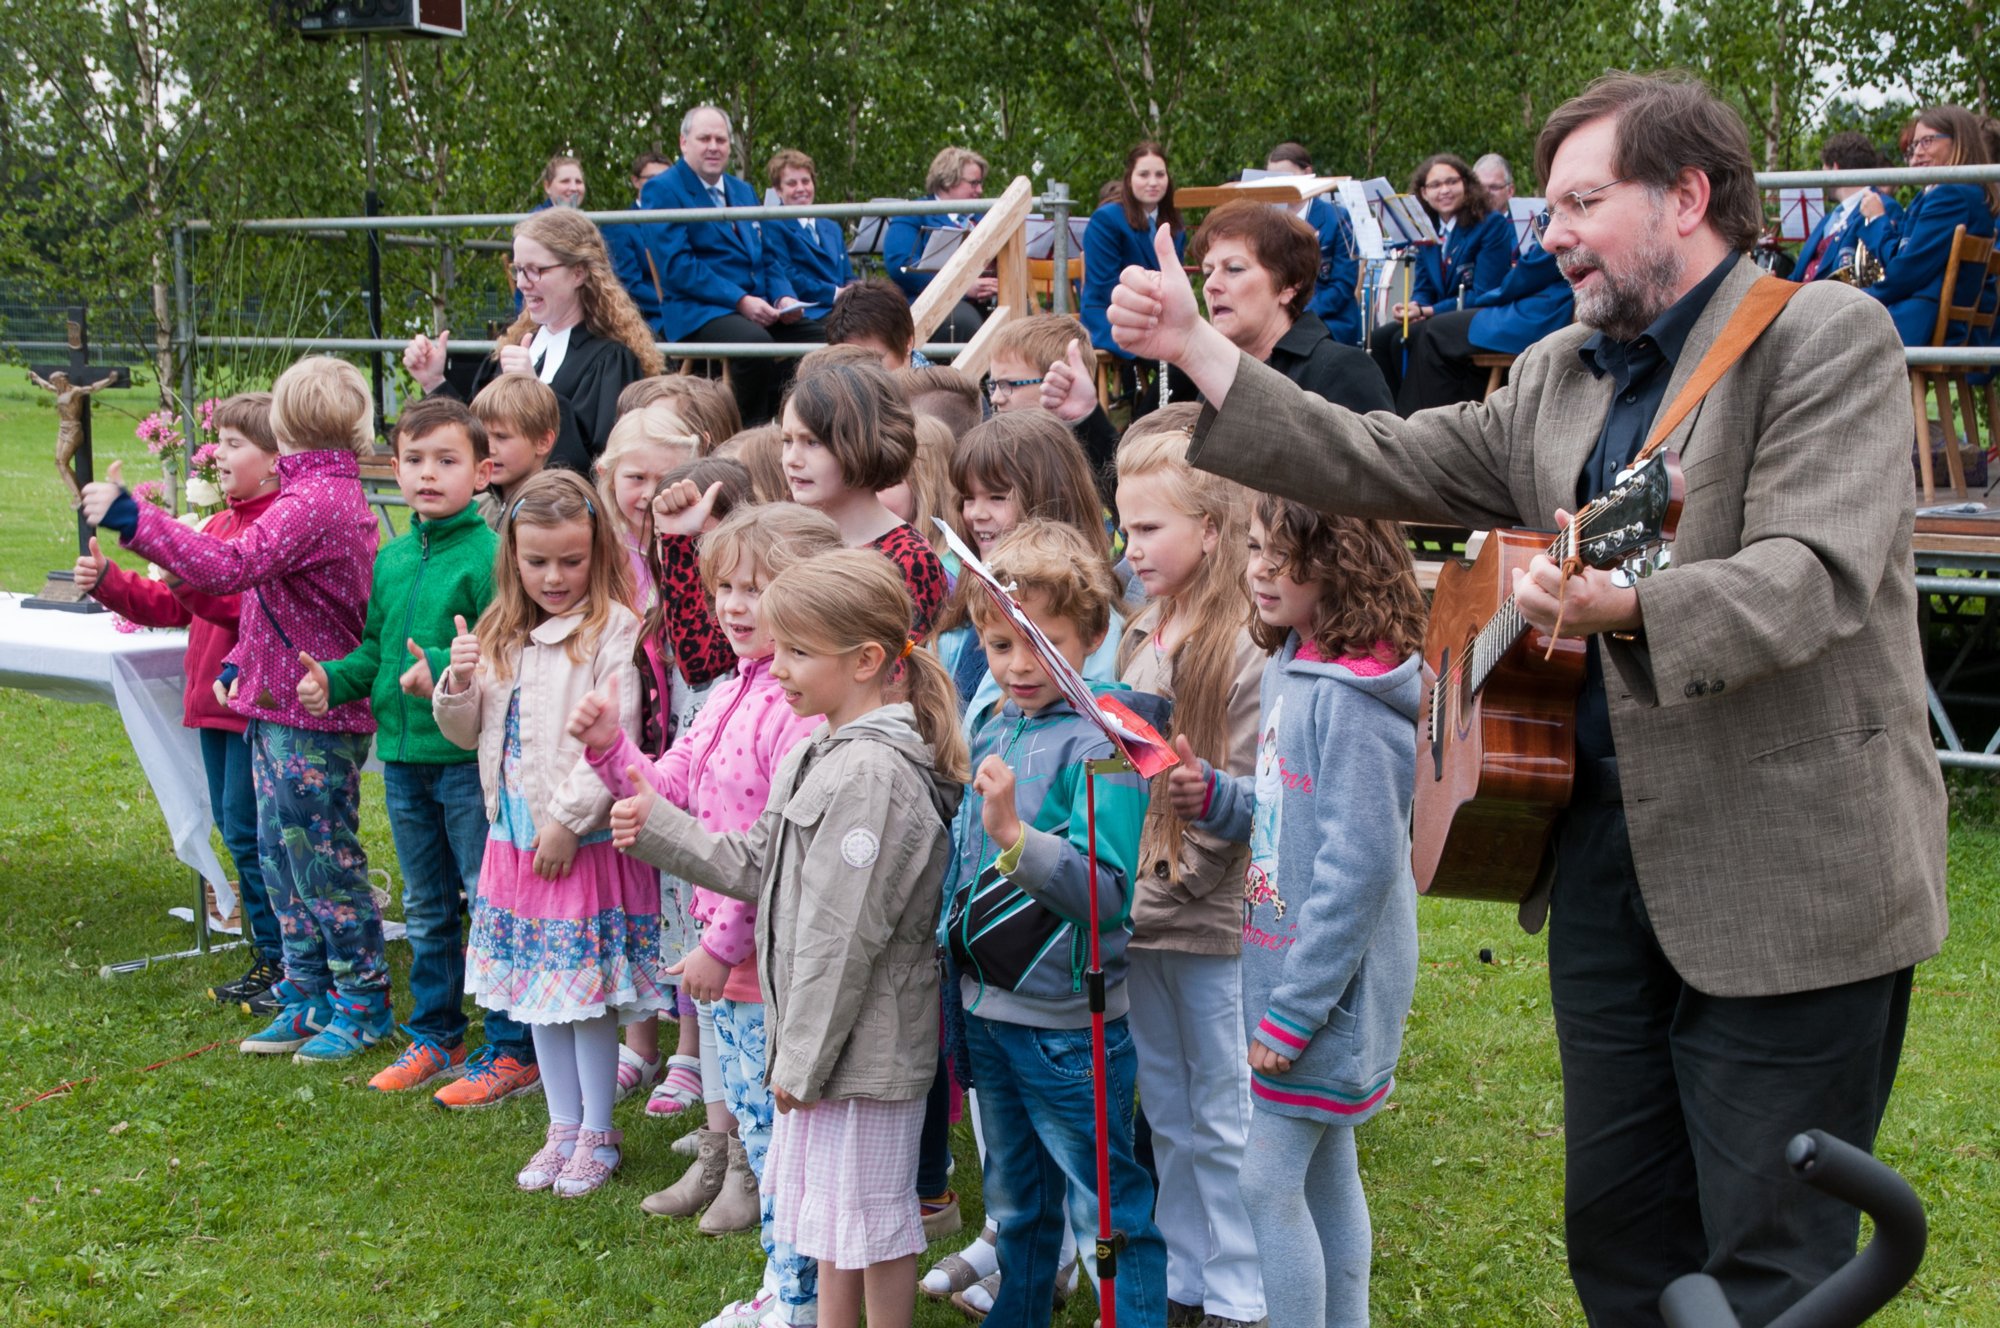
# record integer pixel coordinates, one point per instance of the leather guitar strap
(1758, 309)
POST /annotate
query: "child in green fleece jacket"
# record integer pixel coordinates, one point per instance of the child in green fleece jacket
(429, 583)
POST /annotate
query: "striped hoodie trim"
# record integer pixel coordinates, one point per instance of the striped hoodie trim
(1329, 1100)
(1289, 1032)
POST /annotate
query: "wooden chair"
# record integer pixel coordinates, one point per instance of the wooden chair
(700, 368)
(1107, 378)
(1496, 364)
(1966, 251)
(1042, 281)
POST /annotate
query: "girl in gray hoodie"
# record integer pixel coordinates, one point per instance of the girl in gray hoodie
(1329, 914)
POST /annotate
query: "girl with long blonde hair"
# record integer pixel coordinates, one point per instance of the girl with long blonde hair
(566, 930)
(1186, 539)
(847, 865)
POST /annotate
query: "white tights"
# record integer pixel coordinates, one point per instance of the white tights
(579, 1063)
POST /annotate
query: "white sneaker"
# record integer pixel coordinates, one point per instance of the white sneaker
(636, 1074)
(746, 1313)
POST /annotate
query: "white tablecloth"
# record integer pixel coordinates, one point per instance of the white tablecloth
(82, 657)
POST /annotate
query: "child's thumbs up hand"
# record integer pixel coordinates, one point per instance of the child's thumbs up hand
(464, 656)
(682, 509)
(1187, 783)
(994, 782)
(628, 814)
(313, 686)
(89, 569)
(594, 722)
(1067, 389)
(98, 495)
(417, 680)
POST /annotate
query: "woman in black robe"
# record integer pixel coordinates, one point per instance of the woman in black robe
(578, 331)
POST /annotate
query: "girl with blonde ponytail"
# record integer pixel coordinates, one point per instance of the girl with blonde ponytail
(1187, 536)
(846, 865)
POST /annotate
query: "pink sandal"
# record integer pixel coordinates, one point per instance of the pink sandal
(550, 1161)
(584, 1171)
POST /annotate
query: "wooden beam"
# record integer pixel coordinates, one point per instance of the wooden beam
(981, 247)
(978, 352)
(1294, 190)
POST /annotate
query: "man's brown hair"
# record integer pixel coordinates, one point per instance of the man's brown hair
(1850, 151)
(1668, 123)
(426, 415)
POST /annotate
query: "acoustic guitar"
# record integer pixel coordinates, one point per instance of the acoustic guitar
(1496, 739)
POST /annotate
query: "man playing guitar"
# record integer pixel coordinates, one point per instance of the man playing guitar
(1753, 858)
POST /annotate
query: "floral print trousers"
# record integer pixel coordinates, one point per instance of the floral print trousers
(308, 788)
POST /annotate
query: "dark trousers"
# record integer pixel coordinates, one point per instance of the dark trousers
(934, 1144)
(1677, 1105)
(758, 383)
(1387, 347)
(960, 325)
(232, 802)
(1441, 371)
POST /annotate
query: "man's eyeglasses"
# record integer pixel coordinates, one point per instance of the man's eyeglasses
(997, 389)
(1570, 209)
(532, 274)
(1924, 142)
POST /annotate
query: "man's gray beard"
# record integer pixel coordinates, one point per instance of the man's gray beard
(1624, 304)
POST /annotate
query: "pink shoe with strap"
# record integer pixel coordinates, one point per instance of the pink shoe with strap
(550, 1160)
(597, 1155)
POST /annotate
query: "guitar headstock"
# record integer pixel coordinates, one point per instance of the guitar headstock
(1634, 520)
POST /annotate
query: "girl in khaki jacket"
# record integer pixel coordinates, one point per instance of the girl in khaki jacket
(847, 866)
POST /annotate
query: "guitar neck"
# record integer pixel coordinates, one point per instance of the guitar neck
(1506, 627)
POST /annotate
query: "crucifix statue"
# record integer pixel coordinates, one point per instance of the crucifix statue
(73, 383)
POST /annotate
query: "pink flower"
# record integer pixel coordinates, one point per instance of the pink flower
(160, 433)
(120, 623)
(150, 491)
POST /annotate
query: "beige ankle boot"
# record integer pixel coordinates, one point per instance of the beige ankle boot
(699, 1184)
(738, 1207)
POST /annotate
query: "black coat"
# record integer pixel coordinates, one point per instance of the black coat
(1345, 375)
(594, 371)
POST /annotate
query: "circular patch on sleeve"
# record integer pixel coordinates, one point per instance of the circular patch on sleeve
(858, 848)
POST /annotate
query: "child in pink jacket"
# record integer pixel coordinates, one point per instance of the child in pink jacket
(720, 771)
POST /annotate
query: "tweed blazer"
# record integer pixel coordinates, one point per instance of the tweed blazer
(1786, 814)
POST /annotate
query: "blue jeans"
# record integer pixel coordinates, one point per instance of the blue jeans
(1035, 1107)
(438, 816)
(232, 801)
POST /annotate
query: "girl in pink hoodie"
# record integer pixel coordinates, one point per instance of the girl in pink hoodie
(719, 770)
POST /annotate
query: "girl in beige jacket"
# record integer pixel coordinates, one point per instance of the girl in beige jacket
(566, 930)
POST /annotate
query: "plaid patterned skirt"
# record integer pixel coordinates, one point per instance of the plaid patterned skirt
(843, 1180)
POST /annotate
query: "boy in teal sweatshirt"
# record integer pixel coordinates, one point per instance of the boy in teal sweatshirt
(427, 583)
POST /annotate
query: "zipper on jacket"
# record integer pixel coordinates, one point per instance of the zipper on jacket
(700, 765)
(409, 613)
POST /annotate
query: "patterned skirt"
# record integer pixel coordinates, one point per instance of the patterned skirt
(553, 952)
(842, 1177)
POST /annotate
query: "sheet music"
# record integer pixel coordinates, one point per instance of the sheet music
(1136, 740)
(939, 245)
(1352, 195)
(868, 234)
(1404, 220)
(1041, 236)
(1799, 210)
(1522, 212)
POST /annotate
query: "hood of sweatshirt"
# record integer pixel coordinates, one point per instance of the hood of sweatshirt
(1401, 688)
(896, 726)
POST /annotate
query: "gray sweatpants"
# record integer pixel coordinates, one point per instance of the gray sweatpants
(1310, 1219)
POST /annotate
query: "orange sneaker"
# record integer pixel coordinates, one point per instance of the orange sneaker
(422, 1062)
(490, 1079)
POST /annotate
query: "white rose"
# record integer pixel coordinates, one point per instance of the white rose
(156, 572)
(200, 493)
(192, 520)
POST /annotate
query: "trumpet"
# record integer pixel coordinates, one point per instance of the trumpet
(1861, 268)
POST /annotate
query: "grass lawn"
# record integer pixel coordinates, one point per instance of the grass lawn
(236, 1190)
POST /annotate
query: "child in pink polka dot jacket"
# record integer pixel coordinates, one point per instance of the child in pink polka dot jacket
(719, 770)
